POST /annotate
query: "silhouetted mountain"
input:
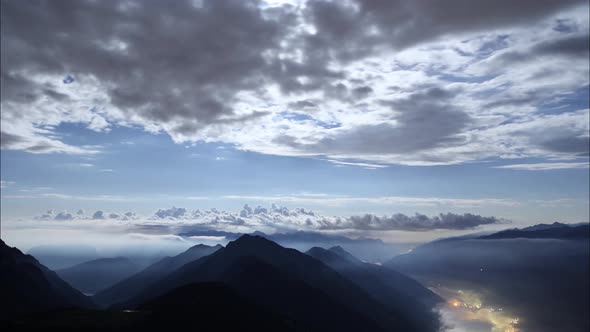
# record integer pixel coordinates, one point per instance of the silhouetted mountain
(130, 287)
(27, 286)
(213, 305)
(543, 231)
(545, 226)
(396, 291)
(338, 250)
(544, 281)
(292, 283)
(369, 250)
(203, 306)
(93, 276)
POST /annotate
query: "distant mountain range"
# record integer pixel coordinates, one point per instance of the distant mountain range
(366, 249)
(544, 231)
(289, 281)
(26, 286)
(93, 276)
(256, 284)
(252, 284)
(134, 284)
(63, 256)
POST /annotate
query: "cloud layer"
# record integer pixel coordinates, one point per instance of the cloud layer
(281, 218)
(400, 82)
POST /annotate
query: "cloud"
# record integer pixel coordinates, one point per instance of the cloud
(80, 215)
(418, 222)
(5, 184)
(408, 23)
(282, 218)
(63, 216)
(98, 215)
(172, 213)
(59, 216)
(349, 163)
(85, 197)
(363, 81)
(393, 200)
(155, 237)
(546, 166)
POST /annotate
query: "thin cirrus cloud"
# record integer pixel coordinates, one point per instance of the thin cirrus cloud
(341, 80)
(546, 166)
(386, 200)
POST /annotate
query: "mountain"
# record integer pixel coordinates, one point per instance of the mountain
(93, 276)
(27, 286)
(212, 306)
(543, 231)
(369, 250)
(133, 285)
(294, 284)
(62, 256)
(543, 279)
(398, 292)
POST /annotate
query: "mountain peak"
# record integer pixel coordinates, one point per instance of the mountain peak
(251, 241)
(201, 246)
(343, 253)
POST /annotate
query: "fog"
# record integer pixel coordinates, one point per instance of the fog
(542, 282)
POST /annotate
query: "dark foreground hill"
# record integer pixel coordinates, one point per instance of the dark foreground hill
(200, 306)
(26, 286)
(93, 276)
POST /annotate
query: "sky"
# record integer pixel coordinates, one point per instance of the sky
(401, 120)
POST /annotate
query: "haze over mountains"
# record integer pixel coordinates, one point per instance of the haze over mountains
(134, 284)
(95, 275)
(366, 249)
(272, 287)
(539, 274)
(292, 286)
(295, 165)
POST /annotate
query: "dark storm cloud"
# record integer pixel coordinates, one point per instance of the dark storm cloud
(63, 216)
(172, 213)
(14, 141)
(7, 140)
(352, 28)
(98, 215)
(417, 222)
(160, 61)
(184, 66)
(573, 144)
(423, 121)
(576, 46)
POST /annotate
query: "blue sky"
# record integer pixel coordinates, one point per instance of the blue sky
(483, 116)
(144, 172)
